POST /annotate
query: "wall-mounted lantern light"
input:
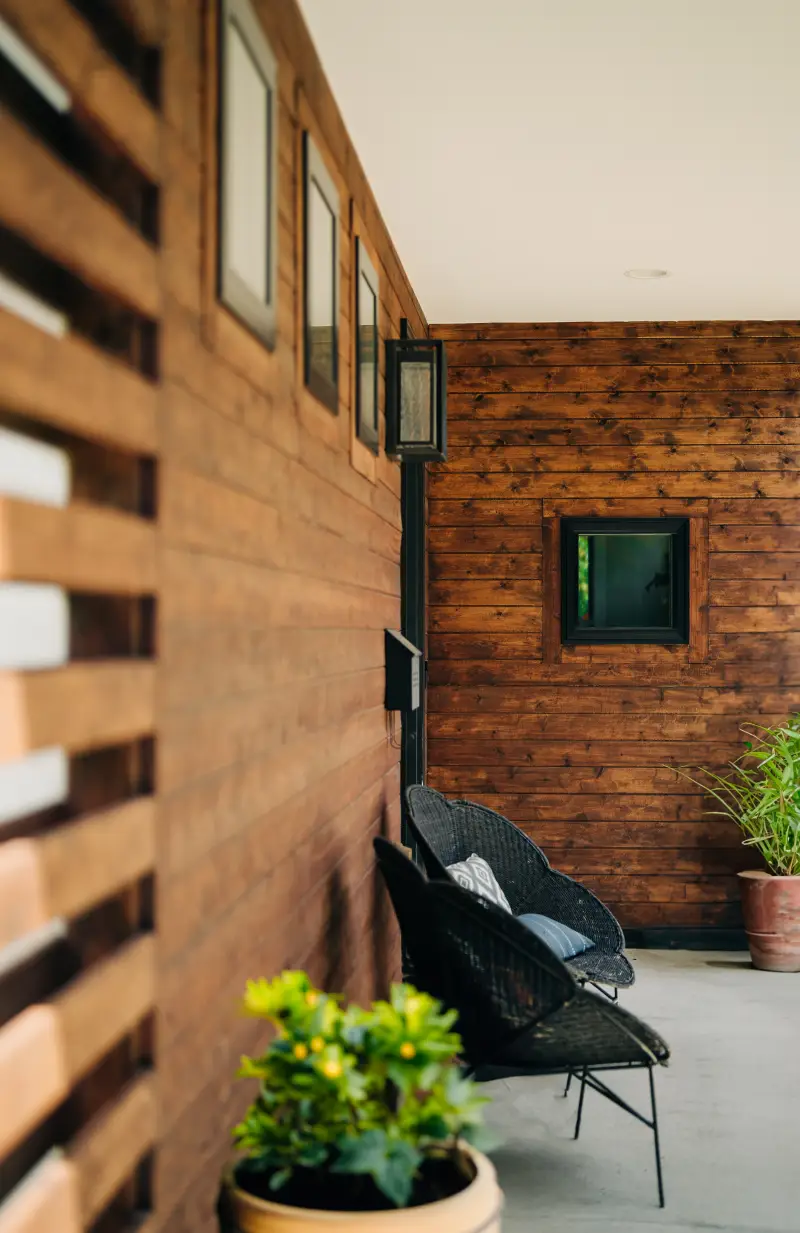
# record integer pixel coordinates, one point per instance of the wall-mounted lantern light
(416, 398)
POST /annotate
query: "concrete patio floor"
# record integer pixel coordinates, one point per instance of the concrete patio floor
(729, 1114)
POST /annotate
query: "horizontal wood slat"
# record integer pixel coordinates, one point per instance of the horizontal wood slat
(82, 547)
(621, 404)
(62, 216)
(611, 378)
(619, 330)
(576, 351)
(68, 1189)
(521, 460)
(668, 484)
(79, 707)
(463, 436)
(71, 385)
(49, 1046)
(46, 1201)
(67, 870)
(68, 45)
(105, 1154)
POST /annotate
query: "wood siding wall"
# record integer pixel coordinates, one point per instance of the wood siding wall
(231, 557)
(574, 743)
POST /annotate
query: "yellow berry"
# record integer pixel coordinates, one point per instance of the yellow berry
(312, 997)
(407, 1050)
(301, 1052)
(317, 1044)
(332, 1069)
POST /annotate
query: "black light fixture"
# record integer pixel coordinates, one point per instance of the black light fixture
(416, 398)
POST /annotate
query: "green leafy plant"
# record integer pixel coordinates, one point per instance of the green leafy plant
(342, 1090)
(762, 793)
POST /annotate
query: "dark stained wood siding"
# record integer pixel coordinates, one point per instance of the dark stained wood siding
(575, 744)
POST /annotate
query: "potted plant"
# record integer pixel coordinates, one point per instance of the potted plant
(762, 795)
(362, 1120)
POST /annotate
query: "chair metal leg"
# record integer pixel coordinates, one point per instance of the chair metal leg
(569, 1081)
(655, 1136)
(580, 1101)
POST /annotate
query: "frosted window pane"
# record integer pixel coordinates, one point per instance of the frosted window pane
(415, 402)
(247, 152)
(321, 272)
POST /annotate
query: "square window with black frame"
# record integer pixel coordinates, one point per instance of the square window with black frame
(625, 580)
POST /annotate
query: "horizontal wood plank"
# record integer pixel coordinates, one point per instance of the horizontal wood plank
(660, 726)
(607, 700)
(503, 619)
(105, 1154)
(485, 539)
(730, 513)
(79, 707)
(525, 808)
(471, 592)
(466, 435)
(621, 404)
(498, 331)
(620, 484)
(68, 869)
(483, 752)
(522, 460)
(82, 547)
(560, 838)
(743, 538)
(46, 1200)
(505, 779)
(49, 1046)
(779, 565)
(98, 86)
(613, 378)
(485, 565)
(73, 386)
(536, 352)
(58, 213)
(485, 513)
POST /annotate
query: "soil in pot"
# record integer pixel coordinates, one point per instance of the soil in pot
(347, 1192)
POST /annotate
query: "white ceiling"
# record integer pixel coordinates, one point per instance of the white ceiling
(525, 153)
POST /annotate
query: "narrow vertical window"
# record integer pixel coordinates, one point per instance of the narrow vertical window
(248, 162)
(366, 358)
(321, 280)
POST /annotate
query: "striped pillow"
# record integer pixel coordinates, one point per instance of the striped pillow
(563, 941)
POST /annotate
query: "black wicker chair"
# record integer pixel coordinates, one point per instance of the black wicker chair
(449, 831)
(520, 1010)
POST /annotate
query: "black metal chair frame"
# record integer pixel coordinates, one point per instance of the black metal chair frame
(446, 832)
(521, 1010)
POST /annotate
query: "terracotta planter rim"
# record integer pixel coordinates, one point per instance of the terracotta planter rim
(764, 873)
(481, 1164)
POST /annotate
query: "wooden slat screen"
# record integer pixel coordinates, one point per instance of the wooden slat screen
(78, 1115)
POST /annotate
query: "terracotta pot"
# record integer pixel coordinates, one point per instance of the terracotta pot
(771, 908)
(474, 1210)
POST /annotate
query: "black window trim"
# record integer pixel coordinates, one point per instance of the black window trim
(368, 434)
(574, 634)
(260, 316)
(314, 170)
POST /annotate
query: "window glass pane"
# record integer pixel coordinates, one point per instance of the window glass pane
(416, 402)
(367, 353)
(625, 581)
(321, 258)
(247, 152)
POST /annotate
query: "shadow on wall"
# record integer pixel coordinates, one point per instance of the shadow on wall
(346, 954)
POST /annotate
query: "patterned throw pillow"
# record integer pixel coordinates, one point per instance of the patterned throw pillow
(475, 874)
(563, 941)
